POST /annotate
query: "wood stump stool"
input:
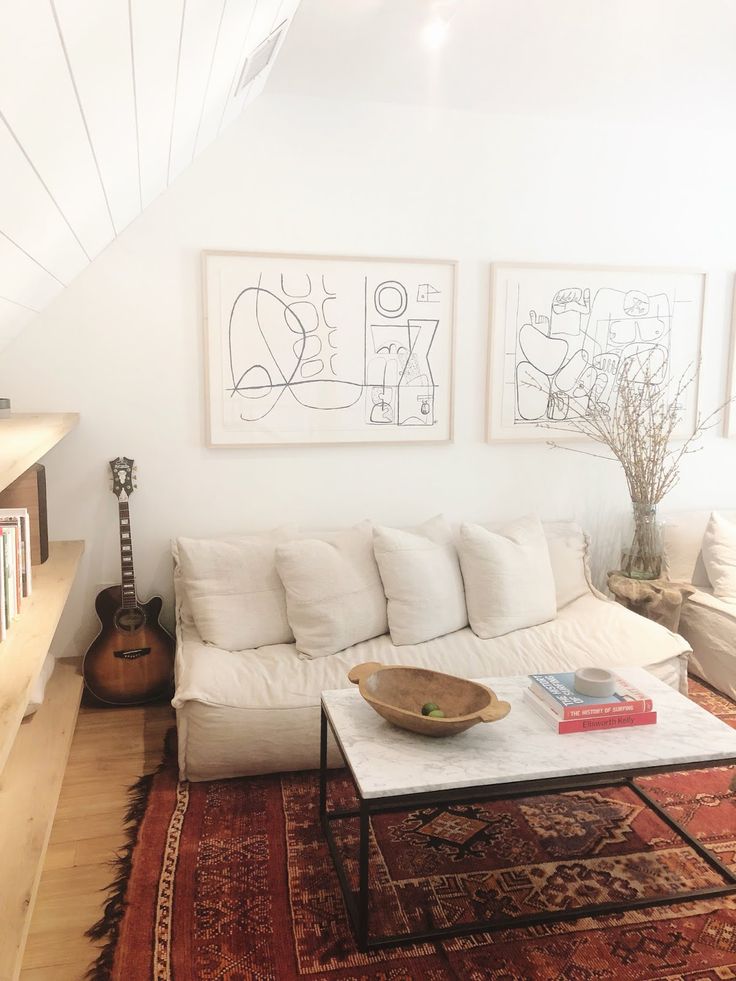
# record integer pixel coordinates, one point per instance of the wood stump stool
(659, 600)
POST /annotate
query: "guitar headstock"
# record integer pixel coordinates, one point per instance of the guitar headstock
(124, 479)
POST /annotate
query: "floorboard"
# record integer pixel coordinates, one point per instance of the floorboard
(111, 748)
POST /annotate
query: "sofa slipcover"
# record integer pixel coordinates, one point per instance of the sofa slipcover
(707, 622)
(249, 712)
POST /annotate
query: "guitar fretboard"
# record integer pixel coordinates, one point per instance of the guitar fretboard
(126, 558)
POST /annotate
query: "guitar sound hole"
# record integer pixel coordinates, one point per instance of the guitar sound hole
(130, 620)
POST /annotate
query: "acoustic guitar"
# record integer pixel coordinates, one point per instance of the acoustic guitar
(131, 660)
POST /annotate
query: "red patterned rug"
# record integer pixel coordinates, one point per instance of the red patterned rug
(232, 880)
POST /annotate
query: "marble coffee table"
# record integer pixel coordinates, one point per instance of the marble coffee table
(517, 757)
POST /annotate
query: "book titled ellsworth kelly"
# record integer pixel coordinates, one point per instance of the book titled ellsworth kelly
(557, 691)
(599, 723)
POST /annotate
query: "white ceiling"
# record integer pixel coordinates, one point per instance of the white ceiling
(102, 104)
(610, 59)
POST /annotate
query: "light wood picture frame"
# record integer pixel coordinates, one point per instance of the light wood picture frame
(308, 349)
(729, 420)
(560, 336)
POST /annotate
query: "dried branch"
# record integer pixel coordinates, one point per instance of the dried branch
(638, 430)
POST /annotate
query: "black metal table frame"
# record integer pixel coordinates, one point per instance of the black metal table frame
(358, 907)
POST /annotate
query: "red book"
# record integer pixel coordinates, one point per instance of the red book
(625, 720)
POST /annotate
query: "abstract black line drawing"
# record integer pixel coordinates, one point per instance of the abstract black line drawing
(306, 286)
(391, 299)
(310, 350)
(426, 293)
(564, 338)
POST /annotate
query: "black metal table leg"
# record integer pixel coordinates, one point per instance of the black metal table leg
(363, 876)
(323, 766)
(357, 905)
(705, 853)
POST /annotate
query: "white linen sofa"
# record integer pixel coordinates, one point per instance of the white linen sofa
(257, 711)
(707, 622)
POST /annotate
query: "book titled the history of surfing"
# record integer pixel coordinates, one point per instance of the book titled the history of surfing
(558, 692)
(598, 723)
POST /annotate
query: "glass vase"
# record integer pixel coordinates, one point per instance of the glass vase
(643, 558)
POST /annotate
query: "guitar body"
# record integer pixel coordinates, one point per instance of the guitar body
(131, 661)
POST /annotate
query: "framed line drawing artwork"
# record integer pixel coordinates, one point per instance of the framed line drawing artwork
(562, 336)
(321, 349)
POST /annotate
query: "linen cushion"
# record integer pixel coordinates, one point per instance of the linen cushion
(568, 555)
(235, 596)
(422, 581)
(683, 543)
(334, 595)
(508, 577)
(719, 555)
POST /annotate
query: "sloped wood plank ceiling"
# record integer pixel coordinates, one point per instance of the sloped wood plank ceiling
(102, 104)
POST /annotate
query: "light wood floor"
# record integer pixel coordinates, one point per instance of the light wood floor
(111, 749)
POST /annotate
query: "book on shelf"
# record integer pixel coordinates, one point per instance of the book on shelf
(16, 525)
(23, 522)
(9, 559)
(557, 691)
(596, 723)
(3, 614)
(15, 564)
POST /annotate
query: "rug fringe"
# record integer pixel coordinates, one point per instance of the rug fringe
(107, 927)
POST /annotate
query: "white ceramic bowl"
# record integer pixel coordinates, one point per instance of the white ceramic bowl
(597, 682)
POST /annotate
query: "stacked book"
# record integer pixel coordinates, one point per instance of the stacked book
(554, 699)
(15, 564)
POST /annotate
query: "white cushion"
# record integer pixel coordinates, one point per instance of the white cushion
(683, 542)
(235, 595)
(422, 581)
(334, 596)
(508, 577)
(719, 555)
(568, 554)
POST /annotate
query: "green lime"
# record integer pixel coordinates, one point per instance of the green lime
(429, 707)
(436, 714)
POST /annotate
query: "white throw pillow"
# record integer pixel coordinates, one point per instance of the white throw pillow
(508, 577)
(568, 554)
(235, 595)
(719, 555)
(334, 596)
(422, 581)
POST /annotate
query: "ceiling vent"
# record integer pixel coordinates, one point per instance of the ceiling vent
(260, 58)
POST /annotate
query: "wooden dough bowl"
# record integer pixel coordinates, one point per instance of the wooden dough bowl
(398, 693)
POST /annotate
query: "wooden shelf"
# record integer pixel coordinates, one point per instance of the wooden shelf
(33, 753)
(24, 650)
(29, 791)
(25, 437)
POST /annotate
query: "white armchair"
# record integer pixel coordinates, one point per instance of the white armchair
(707, 622)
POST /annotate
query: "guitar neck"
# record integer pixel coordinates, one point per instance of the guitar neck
(126, 558)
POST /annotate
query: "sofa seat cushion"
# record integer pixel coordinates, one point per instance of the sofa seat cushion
(588, 631)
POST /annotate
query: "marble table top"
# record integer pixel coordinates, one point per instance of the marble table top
(386, 761)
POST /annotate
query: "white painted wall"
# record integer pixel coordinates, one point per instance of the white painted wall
(123, 344)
